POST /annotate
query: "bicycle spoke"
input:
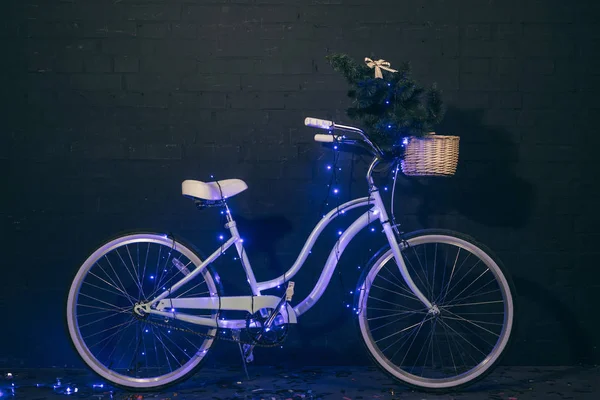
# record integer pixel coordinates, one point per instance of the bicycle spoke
(459, 301)
(102, 319)
(452, 275)
(135, 281)
(476, 279)
(136, 270)
(392, 291)
(474, 322)
(392, 315)
(389, 302)
(109, 291)
(474, 304)
(420, 352)
(122, 288)
(193, 287)
(389, 323)
(450, 348)
(463, 338)
(433, 280)
(400, 287)
(114, 306)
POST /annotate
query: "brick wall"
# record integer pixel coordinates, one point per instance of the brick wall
(108, 105)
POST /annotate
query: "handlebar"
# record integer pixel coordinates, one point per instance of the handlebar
(330, 138)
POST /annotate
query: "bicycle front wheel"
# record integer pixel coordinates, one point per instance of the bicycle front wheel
(462, 337)
(130, 351)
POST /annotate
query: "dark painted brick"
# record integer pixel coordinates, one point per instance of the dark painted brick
(217, 83)
(68, 64)
(199, 100)
(478, 31)
(176, 65)
(98, 63)
(96, 82)
(511, 100)
(183, 30)
(487, 82)
(109, 29)
(154, 12)
(537, 101)
(475, 65)
(127, 64)
(474, 11)
(135, 47)
(156, 152)
(153, 30)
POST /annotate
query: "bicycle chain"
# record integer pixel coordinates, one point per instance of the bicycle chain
(218, 337)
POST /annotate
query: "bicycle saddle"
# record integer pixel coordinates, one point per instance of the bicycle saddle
(218, 190)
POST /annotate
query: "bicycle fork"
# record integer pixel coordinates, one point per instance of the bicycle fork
(391, 237)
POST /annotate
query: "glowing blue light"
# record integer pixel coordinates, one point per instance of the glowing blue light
(336, 191)
(329, 167)
(385, 188)
(143, 353)
(234, 258)
(372, 229)
(220, 237)
(151, 276)
(146, 331)
(335, 147)
(242, 240)
(267, 329)
(359, 267)
(212, 176)
(168, 331)
(347, 305)
(172, 310)
(389, 126)
(387, 102)
(68, 390)
(351, 292)
(278, 286)
(339, 233)
(389, 84)
(98, 385)
(222, 212)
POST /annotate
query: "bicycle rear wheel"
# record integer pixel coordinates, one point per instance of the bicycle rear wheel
(429, 349)
(130, 351)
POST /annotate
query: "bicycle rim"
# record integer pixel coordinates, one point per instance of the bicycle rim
(118, 345)
(444, 350)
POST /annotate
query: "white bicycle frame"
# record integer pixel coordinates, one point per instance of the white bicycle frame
(166, 306)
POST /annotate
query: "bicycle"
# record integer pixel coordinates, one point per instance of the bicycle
(132, 302)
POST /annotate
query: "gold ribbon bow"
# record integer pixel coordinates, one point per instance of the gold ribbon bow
(379, 65)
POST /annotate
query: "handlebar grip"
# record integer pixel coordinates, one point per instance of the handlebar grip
(324, 138)
(318, 123)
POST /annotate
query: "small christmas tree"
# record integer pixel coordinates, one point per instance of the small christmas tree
(388, 103)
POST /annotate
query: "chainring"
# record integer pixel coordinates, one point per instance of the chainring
(259, 335)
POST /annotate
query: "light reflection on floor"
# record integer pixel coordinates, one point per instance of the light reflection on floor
(275, 383)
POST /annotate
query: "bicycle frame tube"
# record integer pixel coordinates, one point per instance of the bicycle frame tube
(340, 246)
(327, 218)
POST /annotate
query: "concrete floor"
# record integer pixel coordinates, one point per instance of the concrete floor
(270, 383)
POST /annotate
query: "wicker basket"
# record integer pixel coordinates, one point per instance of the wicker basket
(431, 155)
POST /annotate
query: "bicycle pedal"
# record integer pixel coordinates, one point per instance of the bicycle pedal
(289, 292)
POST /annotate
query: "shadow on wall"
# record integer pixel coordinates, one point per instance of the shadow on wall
(486, 188)
(579, 343)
